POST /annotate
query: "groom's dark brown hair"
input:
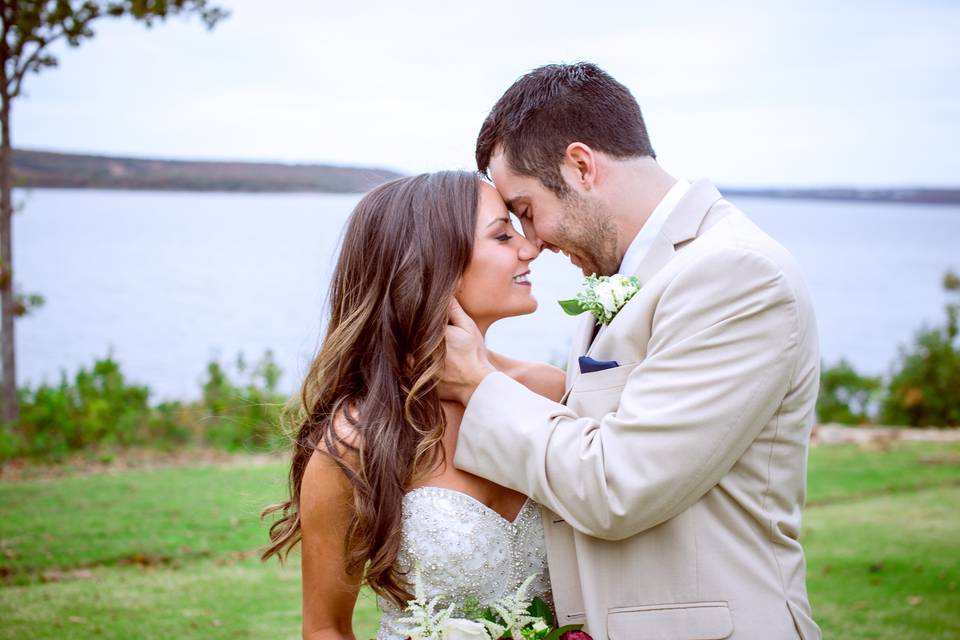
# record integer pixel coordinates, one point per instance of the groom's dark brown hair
(554, 105)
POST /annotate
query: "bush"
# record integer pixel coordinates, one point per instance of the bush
(99, 407)
(847, 397)
(925, 388)
(243, 415)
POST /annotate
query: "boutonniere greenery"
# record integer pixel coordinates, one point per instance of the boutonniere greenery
(602, 296)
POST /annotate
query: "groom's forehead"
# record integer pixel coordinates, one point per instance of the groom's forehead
(511, 192)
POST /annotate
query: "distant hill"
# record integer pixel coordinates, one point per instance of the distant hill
(918, 195)
(44, 169)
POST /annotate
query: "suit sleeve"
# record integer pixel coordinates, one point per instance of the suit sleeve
(719, 361)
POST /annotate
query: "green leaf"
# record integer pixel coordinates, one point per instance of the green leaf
(572, 307)
(539, 609)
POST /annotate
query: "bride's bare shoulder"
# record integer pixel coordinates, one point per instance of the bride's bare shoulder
(541, 378)
(325, 467)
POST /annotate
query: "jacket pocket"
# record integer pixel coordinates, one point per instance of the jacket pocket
(598, 393)
(612, 378)
(680, 621)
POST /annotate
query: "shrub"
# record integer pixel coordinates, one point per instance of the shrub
(246, 414)
(925, 388)
(846, 396)
(97, 406)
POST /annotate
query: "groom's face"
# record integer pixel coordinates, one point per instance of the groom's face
(573, 224)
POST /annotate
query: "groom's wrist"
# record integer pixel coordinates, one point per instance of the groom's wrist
(478, 377)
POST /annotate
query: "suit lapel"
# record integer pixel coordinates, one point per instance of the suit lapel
(581, 342)
(681, 226)
(585, 336)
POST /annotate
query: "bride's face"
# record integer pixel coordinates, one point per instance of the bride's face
(496, 284)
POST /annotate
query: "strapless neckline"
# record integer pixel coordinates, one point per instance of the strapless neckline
(476, 504)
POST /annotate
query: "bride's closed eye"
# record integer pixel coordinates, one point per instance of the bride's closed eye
(503, 237)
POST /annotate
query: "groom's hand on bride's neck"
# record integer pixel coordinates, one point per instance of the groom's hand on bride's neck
(466, 362)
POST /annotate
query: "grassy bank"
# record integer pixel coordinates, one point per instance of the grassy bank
(171, 552)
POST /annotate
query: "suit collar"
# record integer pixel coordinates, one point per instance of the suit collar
(682, 225)
(685, 220)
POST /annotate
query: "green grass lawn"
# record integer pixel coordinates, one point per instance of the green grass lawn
(172, 552)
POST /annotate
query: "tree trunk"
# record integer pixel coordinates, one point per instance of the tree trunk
(9, 410)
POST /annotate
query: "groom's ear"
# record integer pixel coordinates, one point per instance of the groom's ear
(580, 165)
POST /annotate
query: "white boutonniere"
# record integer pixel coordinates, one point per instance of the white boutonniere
(602, 296)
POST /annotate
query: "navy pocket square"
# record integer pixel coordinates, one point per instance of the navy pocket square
(589, 365)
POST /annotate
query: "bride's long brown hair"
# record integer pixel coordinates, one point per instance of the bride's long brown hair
(406, 245)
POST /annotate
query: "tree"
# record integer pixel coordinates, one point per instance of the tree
(846, 396)
(925, 390)
(27, 29)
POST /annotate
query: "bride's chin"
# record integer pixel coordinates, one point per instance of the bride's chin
(527, 308)
(524, 309)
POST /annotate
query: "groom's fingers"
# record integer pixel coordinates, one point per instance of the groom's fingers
(459, 318)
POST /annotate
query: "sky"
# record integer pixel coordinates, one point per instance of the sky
(744, 93)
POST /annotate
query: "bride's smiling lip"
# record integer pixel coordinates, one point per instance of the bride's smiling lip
(521, 279)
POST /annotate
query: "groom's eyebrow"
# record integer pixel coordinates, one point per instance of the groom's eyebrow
(513, 202)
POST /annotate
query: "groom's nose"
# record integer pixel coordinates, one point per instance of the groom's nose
(531, 235)
(529, 250)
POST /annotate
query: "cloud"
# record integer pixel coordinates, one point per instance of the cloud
(745, 93)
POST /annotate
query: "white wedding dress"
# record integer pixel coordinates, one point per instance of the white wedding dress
(465, 549)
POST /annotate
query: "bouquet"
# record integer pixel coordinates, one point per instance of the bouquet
(513, 616)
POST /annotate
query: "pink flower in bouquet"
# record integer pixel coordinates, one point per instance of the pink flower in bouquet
(576, 635)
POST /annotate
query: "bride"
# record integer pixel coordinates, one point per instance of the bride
(373, 491)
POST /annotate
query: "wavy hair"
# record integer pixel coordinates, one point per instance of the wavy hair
(406, 245)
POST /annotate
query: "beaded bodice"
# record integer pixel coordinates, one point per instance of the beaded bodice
(465, 549)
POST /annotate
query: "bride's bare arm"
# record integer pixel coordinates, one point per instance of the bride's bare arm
(329, 593)
(541, 378)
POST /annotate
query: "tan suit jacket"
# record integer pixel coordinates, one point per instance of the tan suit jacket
(673, 484)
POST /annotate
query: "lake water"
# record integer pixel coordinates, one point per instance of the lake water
(168, 281)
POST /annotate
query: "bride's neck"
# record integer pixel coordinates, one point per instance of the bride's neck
(483, 325)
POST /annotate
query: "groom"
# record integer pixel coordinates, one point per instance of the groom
(673, 473)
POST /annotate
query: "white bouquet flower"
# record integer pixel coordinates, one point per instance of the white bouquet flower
(603, 296)
(513, 616)
(463, 629)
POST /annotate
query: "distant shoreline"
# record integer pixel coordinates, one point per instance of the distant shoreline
(49, 170)
(905, 195)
